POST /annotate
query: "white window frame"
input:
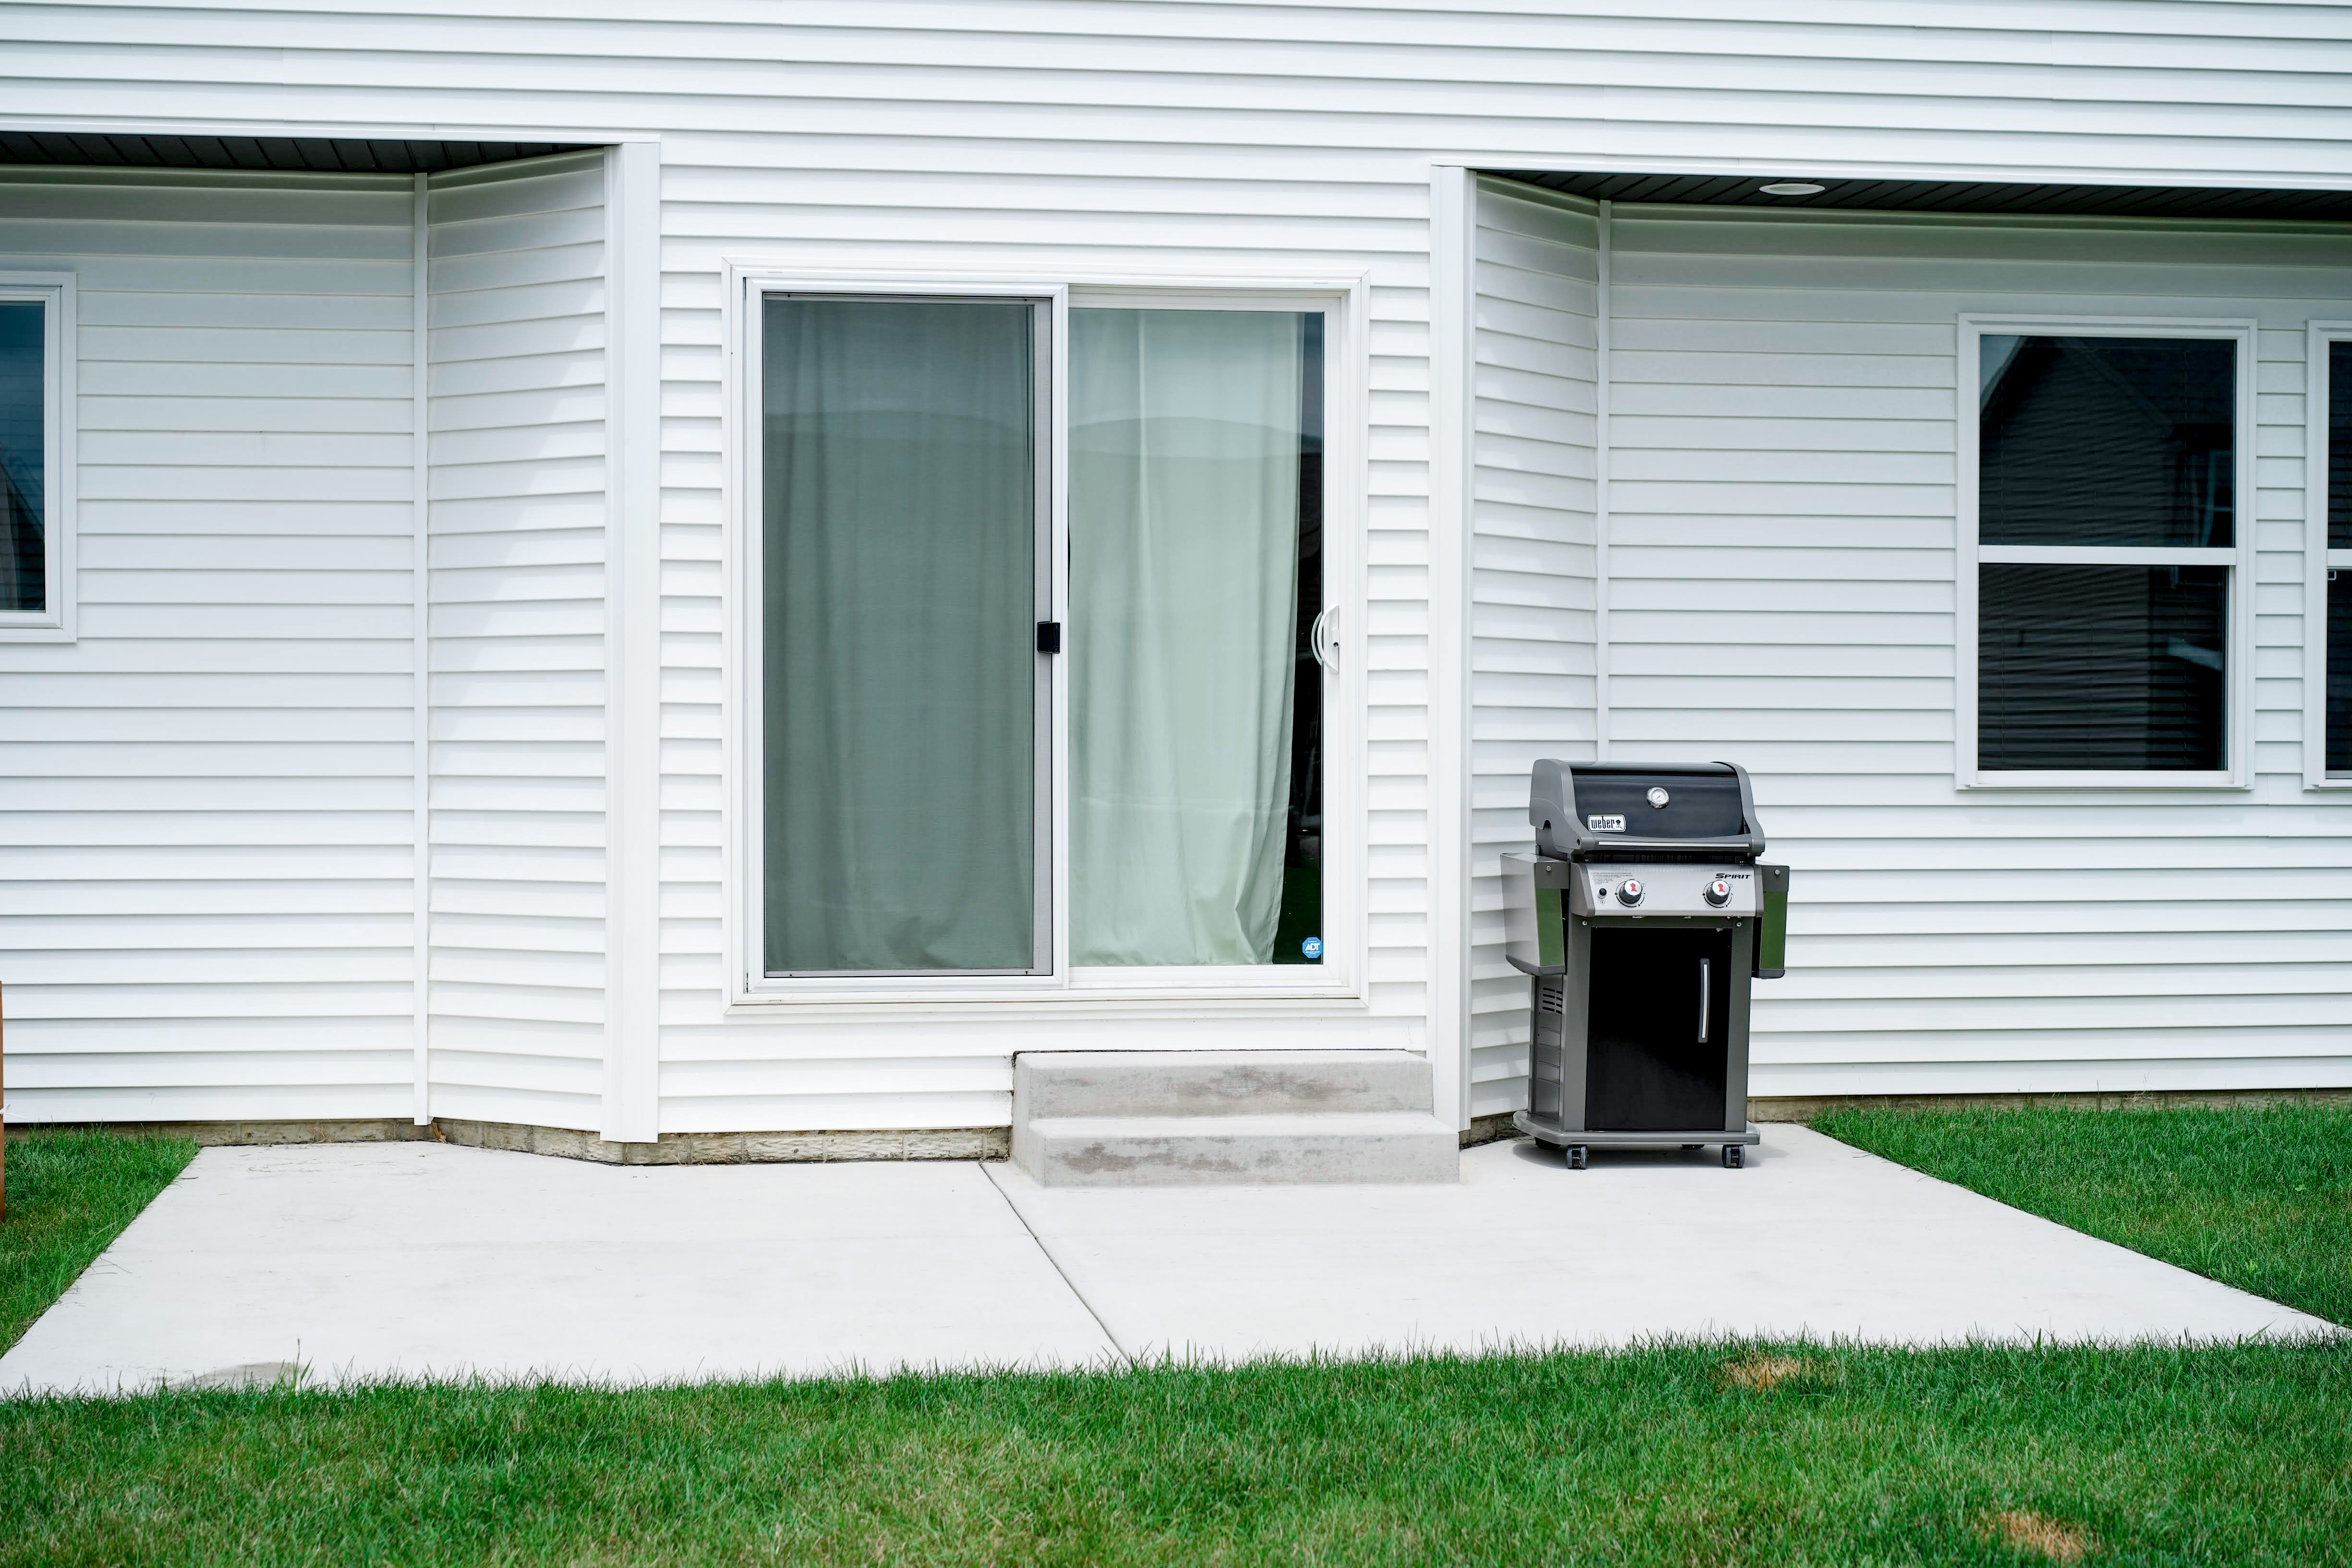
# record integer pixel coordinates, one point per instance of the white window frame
(2238, 556)
(2319, 560)
(1340, 976)
(54, 622)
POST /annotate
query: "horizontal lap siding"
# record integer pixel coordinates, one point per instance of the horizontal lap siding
(1782, 592)
(517, 726)
(1258, 138)
(1536, 260)
(206, 827)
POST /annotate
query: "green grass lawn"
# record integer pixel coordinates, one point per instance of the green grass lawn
(2259, 1198)
(1669, 1455)
(1676, 1456)
(69, 1194)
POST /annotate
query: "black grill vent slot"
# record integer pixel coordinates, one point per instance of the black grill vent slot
(1551, 996)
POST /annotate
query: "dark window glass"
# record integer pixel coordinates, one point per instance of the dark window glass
(2339, 447)
(2108, 441)
(2339, 537)
(2339, 673)
(1302, 860)
(24, 568)
(2101, 666)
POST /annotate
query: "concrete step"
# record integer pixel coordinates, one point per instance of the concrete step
(1216, 1083)
(1397, 1146)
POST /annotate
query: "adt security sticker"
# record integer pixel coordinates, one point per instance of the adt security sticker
(1312, 947)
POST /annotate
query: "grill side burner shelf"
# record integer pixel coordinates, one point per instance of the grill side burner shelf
(1640, 921)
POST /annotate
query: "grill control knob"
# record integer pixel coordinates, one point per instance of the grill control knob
(1628, 892)
(1718, 892)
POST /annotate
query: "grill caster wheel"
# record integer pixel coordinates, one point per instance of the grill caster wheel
(1576, 1156)
(1734, 1157)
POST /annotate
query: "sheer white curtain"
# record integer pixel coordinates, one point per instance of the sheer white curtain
(1184, 465)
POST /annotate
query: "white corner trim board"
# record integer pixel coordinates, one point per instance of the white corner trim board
(632, 217)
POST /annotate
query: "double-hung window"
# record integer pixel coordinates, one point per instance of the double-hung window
(36, 485)
(2105, 539)
(2327, 618)
(1039, 596)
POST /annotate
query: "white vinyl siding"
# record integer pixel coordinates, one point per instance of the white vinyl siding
(1783, 594)
(518, 421)
(206, 824)
(1252, 138)
(1533, 563)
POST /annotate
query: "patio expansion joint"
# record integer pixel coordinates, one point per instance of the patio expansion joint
(1116, 1343)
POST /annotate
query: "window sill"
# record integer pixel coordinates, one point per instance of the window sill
(48, 629)
(2106, 781)
(1003, 1006)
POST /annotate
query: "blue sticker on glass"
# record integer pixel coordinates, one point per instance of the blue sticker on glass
(1312, 947)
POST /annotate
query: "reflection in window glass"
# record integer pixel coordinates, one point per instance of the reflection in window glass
(2339, 537)
(23, 570)
(2339, 673)
(2101, 666)
(2339, 446)
(2108, 441)
(1195, 700)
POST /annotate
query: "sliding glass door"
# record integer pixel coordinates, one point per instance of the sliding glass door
(903, 522)
(911, 729)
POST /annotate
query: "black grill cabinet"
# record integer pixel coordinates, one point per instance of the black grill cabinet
(1640, 921)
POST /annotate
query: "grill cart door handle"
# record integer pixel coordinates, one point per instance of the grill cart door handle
(1702, 978)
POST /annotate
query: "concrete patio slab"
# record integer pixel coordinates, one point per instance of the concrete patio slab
(419, 1259)
(1814, 1237)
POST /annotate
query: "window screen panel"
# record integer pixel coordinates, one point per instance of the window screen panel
(2108, 441)
(2102, 668)
(24, 565)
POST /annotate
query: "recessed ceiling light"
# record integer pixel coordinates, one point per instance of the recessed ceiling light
(1792, 188)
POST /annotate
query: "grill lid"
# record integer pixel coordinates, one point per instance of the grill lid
(1608, 811)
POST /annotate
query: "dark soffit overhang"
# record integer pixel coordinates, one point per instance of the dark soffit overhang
(1951, 196)
(287, 154)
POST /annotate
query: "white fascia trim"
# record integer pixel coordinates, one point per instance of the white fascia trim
(2319, 559)
(2239, 721)
(585, 136)
(60, 448)
(1974, 173)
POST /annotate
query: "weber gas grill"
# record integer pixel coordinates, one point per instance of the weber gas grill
(1640, 920)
